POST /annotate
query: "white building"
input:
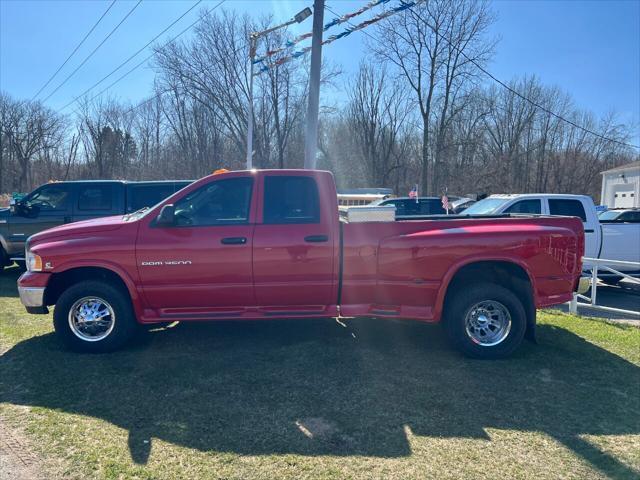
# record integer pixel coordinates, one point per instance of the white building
(621, 186)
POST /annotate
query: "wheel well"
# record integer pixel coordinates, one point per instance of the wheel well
(506, 274)
(61, 281)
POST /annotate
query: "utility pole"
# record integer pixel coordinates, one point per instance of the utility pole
(311, 139)
(253, 42)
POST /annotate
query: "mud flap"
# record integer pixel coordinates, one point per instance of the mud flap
(530, 332)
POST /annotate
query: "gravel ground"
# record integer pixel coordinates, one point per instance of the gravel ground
(625, 295)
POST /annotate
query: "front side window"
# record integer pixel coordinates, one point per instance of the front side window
(633, 217)
(291, 199)
(488, 206)
(525, 206)
(223, 202)
(567, 208)
(95, 197)
(50, 198)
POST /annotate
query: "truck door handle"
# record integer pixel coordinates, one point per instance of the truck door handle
(316, 238)
(234, 240)
(590, 230)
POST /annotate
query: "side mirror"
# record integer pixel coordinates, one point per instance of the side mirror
(20, 209)
(166, 217)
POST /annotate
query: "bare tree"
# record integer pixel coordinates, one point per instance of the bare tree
(435, 47)
(376, 113)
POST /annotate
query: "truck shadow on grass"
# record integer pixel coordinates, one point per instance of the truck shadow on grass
(316, 387)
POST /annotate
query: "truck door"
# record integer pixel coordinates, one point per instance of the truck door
(574, 208)
(203, 261)
(46, 207)
(293, 249)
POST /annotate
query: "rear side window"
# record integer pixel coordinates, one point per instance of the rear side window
(432, 207)
(421, 207)
(95, 197)
(567, 208)
(532, 206)
(291, 199)
(148, 195)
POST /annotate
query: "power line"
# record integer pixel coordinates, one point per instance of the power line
(94, 50)
(512, 90)
(138, 52)
(75, 49)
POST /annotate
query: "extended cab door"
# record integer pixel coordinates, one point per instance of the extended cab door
(203, 261)
(294, 258)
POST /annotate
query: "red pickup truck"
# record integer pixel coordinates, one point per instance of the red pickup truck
(270, 244)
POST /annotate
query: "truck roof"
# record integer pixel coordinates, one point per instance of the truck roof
(122, 181)
(546, 195)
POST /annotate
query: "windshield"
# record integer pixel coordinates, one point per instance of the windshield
(486, 206)
(609, 215)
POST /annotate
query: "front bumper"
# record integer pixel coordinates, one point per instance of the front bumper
(31, 288)
(33, 299)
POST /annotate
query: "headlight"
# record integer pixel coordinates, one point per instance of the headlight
(34, 262)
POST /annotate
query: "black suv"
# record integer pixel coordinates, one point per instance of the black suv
(56, 203)
(409, 207)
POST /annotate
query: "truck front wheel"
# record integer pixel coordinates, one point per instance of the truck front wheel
(485, 321)
(94, 317)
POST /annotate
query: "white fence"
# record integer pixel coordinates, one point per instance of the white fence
(598, 265)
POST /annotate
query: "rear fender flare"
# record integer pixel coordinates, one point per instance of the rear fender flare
(446, 281)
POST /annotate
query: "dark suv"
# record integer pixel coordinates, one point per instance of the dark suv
(56, 203)
(409, 207)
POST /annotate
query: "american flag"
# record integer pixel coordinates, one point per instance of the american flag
(413, 193)
(445, 203)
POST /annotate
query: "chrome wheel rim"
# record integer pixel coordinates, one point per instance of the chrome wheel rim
(91, 319)
(488, 323)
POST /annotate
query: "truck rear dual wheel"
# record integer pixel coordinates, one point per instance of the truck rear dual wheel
(94, 317)
(485, 321)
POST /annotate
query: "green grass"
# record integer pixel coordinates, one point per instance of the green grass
(314, 399)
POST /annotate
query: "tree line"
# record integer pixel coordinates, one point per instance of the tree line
(418, 110)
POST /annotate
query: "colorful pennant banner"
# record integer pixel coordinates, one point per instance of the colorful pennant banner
(348, 31)
(327, 26)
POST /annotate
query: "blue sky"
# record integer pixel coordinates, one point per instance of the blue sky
(588, 48)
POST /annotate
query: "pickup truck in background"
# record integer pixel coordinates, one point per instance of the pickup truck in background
(266, 244)
(57, 203)
(614, 239)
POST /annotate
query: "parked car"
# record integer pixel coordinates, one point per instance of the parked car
(270, 244)
(461, 204)
(57, 203)
(610, 240)
(620, 215)
(407, 206)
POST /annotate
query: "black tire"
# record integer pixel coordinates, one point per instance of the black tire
(459, 306)
(4, 261)
(124, 325)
